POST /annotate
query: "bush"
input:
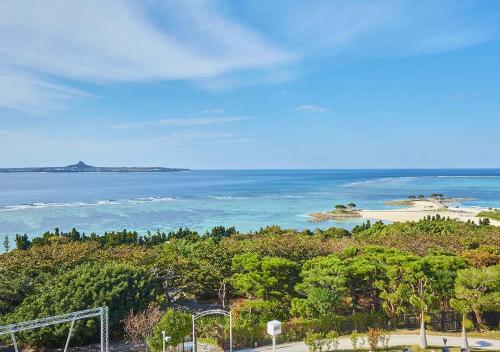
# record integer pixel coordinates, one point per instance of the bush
(139, 326)
(357, 340)
(176, 324)
(314, 341)
(250, 318)
(373, 338)
(121, 287)
(318, 342)
(384, 338)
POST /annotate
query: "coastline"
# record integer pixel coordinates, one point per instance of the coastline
(408, 210)
(419, 209)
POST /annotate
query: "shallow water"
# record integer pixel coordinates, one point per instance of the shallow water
(248, 199)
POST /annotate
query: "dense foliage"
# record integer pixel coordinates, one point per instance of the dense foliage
(491, 213)
(315, 281)
(121, 287)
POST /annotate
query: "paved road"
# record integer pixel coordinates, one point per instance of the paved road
(396, 340)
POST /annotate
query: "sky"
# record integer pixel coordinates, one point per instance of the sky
(250, 83)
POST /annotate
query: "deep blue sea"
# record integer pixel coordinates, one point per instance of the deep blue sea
(248, 199)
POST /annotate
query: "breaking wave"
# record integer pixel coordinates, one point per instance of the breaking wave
(40, 205)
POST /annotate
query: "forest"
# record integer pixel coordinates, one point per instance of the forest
(317, 282)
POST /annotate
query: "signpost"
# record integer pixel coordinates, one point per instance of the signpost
(273, 329)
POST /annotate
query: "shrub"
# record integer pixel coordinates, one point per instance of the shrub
(138, 327)
(384, 338)
(250, 317)
(332, 340)
(176, 324)
(314, 341)
(121, 287)
(318, 342)
(373, 338)
(356, 339)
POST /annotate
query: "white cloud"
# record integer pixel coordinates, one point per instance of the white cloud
(311, 108)
(213, 111)
(117, 41)
(28, 93)
(181, 122)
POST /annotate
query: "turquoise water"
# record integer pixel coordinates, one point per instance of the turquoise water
(248, 199)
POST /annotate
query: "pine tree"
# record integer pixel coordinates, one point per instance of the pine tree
(6, 244)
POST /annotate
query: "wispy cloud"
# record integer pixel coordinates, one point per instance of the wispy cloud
(117, 41)
(311, 108)
(209, 42)
(181, 122)
(29, 93)
(213, 111)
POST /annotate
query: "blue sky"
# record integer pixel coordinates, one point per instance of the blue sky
(250, 84)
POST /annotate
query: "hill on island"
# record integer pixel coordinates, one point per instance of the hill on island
(82, 167)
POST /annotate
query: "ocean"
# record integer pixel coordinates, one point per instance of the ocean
(33, 203)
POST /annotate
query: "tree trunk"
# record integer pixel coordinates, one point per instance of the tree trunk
(423, 335)
(479, 320)
(465, 342)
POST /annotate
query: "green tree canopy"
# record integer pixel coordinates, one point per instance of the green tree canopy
(266, 277)
(121, 287)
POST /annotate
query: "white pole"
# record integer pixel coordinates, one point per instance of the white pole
(163, 339)
(274, 343)
(69, 335)
(101, 310)
(14, 342)
(230, 332)
(194, 336)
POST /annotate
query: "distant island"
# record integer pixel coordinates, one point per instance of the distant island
(82, 167)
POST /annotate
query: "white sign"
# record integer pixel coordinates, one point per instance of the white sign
(274, 327)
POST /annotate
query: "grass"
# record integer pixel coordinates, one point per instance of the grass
(493, 214)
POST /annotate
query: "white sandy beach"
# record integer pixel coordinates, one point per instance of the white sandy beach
(420, 209)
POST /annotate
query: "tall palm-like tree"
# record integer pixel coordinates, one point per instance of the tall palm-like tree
(420, 305)
(463, 308)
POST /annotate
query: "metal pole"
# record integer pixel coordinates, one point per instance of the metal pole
(194, 336)
(230, 331)
(14, 342)
(107, 329)
(274, 343)
(69, 335)
(101, 310)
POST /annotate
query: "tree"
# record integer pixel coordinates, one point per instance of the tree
(22, 242)
(340, 207)
(480, 290)
(412, 197)
(6, 244)
(176, 324)
(420, 305)
(440, 270)
(219, 232)
(463, 308)
(266, 277)
(324, 287)
(351, 205)
(120, 287)
(250, 317)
